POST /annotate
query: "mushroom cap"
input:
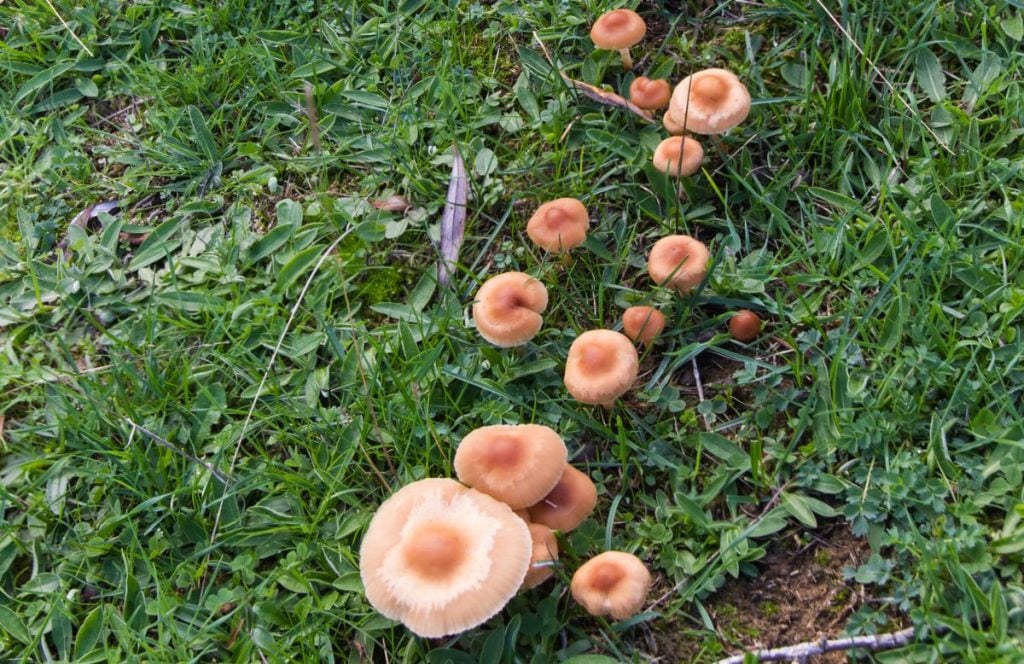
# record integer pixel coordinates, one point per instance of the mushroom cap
(618, 29)
(571, 501)
(745, 325)
(545, 550)
(601, 366)
(678, 261)
(643, 324)
(559, 225)
(613, 583)
(508, 307)
(648, 93)
(667, 158)
(717, 101)
(517, 464)
(670, 124)
(443, 558)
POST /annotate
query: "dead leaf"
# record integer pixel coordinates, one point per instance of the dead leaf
(391, 204)
(593, 92)
(83, 218)
(453, 219)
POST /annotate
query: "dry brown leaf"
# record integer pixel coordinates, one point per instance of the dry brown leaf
(391, 204)
(453, 219)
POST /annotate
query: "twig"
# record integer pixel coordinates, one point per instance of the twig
(224, 479)
(802, 651)
(700, 391)
(273, 357)
(68, 28)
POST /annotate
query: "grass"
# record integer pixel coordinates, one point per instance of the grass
(877, 227)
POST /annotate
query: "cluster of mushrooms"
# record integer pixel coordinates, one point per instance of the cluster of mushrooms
(443, 556)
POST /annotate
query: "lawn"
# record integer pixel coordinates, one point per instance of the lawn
(224, 343)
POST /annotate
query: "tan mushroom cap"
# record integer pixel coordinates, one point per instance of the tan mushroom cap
(717, 101)
(559, 225)
(443, 558)
(508, 307)
(545, 551)
(649, 94)
(643, 324)
(618, 29)
(571, 501)
(613, 583)
(517, 464)
(667, 157)
(601, 367)
(678, 261)
(671, 125)
(745, 325)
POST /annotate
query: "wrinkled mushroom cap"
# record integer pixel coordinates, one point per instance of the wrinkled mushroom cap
(571, 501)
(648, 93)
(643, 324)
(545, 551)
(717, 101)
(443, 558)
(678, 261)
(613, 583)
(601, 367)
(516, 464)
(508, 307)
(667, 158)
(618, 29)
(559, 225)
(745, 325)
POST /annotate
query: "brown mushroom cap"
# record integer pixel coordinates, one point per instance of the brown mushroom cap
(443, 558)
(571, 501)
(516, 463)
(613, 583)
(667, 156)
(643, 324)
(618, 29)
(508, 307)
(545, 551)
(649, 94)
(671, 125)
(717, 101)
(745, 325)
(559, 225)
(678, 261)
(601, 367)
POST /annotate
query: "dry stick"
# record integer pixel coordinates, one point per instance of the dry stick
(802, 651)
(700, 391)
(68, 28)
(273, 357)
(878, 71)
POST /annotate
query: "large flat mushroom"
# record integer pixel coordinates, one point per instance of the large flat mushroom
(601, 367)
(678, 261)
(710, 101)
(613, 583)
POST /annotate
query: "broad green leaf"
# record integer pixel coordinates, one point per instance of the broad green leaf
(299, 263)
(87, 87)
(494, 647)
(270, 242)
(203, 136)
(799, 508)
(90, 631)
(42, 79)
(11, 623)
(158, 244)
(1013, 27)
(930, 76)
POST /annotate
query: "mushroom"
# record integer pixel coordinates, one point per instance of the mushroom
(744, 325)
(671, 125)
(678, 156)
(570, 502)
(710, 101)
(508, 307)
(601, 367)
(516, 464)
(443, 558)
(649, 94)
(545, 552)
(613, 583)
(678, 261)
(618, 30)
(559, 225)
(643, 324)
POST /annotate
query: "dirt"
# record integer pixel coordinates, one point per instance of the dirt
(799, 595)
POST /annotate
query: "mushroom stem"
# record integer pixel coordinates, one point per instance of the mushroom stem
(627, 60)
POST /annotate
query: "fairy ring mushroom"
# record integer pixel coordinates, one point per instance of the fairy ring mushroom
(619, 30)
(543, 557)
(679, 262)
(745, 325)
(643, 324)
(559, 225)
(613, 583)
(710, 101)
(507, 310)
(517, 464)
(601, 367)
(571, 501)
(671, 125)
(649, 94)
(678, 156)
(443, 558)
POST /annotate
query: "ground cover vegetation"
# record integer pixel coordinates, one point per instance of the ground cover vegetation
(208, 388)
